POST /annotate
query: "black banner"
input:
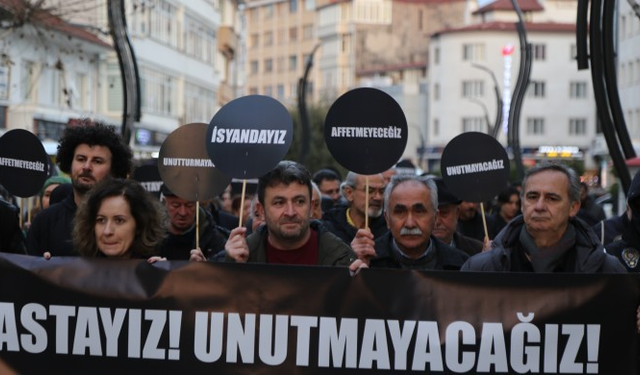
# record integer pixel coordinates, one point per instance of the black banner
(77, 315)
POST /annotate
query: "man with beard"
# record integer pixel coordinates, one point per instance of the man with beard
(289, 236)
(345, 221)
(89, 153)
(411, 212)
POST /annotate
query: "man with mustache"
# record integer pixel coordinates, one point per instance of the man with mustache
(89, 152)
(289, 236)
(344, 221)
(547, 237)
(411, 211)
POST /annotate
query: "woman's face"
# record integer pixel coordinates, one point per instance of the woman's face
(47, 195)
(115, 227)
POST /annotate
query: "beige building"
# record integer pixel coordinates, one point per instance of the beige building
(280, 37)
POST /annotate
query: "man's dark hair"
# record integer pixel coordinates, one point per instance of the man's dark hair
(506, 193)
(95, 134)
(325, 174)
(286, 172)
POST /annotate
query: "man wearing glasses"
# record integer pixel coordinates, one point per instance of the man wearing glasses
(344, 221)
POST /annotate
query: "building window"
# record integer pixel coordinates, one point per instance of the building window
(578, 90)
(255, 40)
(436, 127)
(163, 23)
(280, 92)
(472, 89)
(268, 38)
(158, 92)
(268, 11)
(268, 90)
(253, 91)
(200, 40)
(536, 89)
(473, 52)
(293, 34)
(539, 52)
(573, 52)
(293, 63)
(293, 6)
(268, 65)
(254, 67)
(3, 117)
(280, 64)
(535, 126)
(577, 126)
(472, 124)
(436, 56)
(27, 80)
(309, 4)
(307, 32)
(436, 91)
(198, 103)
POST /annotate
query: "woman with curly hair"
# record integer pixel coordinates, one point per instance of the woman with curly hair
(119, 219)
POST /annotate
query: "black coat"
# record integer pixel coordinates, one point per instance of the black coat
(51, 230)
(447, 257)
(335, 221)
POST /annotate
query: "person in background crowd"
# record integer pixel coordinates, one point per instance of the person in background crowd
(411, 212)
(89, 152)
(508, 208)
(119, 220)
(181, 230)
(49, 185)
(345, 221)
(470, 222)
(11, 237)
(590, 212)
(60, 193)
(316, 202)
(547, 237)
(447, 222)
(328, 182)
(256, 218)
(289, 236)
(246, 209)
(627, 246)
(388, 174)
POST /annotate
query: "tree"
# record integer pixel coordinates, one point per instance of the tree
(319, 155)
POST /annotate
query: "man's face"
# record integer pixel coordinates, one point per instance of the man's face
(446, 222)
(90, 165)
(545, 205)
(330, 188)
(411, 217)
(316, 205)
(357, 195)
(287, 210)
(508, 210)
(182, 214)
(467, 210)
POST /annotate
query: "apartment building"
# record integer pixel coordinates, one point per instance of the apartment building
(558, 116)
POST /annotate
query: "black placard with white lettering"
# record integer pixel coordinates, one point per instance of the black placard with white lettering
(475, 167)
(24, 164)
(249, 136)
(366, 131)
(185, 166)
(149, 177)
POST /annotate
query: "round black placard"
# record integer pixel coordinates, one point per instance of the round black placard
(366, 131)
(24, 164)
(249, 136)
(475, 167)
(185, 166)
(149, 177)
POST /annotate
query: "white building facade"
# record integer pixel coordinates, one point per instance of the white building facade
(558, 115)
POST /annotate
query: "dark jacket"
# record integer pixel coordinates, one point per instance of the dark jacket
(212, 240)
(587, 255)
(611, 229)
(469, 245)
(474, 227)
(332, 251)
(336, 222)
(447, 257)
(51, 230)
(11, 237)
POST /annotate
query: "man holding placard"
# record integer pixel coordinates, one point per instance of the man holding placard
(181, 231)
(547, 237)
(89, 153)
(289, 236)
(344, 221)
(411, 211)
